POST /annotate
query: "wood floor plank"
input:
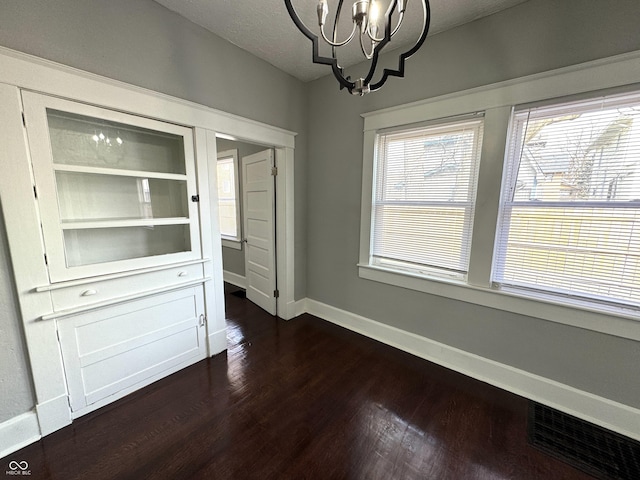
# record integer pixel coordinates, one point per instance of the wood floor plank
(303, 399)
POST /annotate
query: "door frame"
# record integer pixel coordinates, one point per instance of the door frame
(23, 71)
(284, 206)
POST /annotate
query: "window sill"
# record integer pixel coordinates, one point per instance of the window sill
(618, 324)
(235, 244)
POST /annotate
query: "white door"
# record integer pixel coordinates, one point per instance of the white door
(259, 229)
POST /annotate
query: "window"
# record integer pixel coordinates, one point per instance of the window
(228, 197)
(424, 195)
(551, 223)
(569, 224)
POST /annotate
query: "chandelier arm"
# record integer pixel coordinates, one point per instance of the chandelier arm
(367, 55)
(344, 83)
(401, 63)
(334, 52)
(337, 71)
(334, 43)
(400, 19)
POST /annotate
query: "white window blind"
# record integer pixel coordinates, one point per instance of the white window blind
(424, 195)
(570, 214)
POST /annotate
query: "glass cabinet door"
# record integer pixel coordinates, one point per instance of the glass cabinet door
(114, 190)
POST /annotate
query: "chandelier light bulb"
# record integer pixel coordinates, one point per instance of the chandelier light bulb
(323, 11)
(374, 14)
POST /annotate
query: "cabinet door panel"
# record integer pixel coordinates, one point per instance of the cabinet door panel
(113, 351)
(113, 189)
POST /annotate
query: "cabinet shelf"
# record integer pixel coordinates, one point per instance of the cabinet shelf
(118, 171)
(111, 223)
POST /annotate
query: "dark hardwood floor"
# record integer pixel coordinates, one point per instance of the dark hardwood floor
(302, 399)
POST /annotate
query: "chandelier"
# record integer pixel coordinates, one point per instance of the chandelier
(374, 34)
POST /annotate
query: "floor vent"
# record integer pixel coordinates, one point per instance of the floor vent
(239, 293)
(595, 450)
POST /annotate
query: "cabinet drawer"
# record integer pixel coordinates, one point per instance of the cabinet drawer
(103, 290)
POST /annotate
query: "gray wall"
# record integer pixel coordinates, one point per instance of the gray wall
(535, 36)
(232, 259)
(143, 43)
(16, 395)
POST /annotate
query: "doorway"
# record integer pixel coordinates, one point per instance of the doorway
(246, 192)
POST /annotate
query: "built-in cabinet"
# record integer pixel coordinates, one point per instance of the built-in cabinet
(118, 204)
(110, 209)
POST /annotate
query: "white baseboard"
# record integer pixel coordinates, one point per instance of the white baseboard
(592, 408)
(18, 432)
(300, 307)
(217, 342)
(53, 414)
(234, 279)
(288, 311)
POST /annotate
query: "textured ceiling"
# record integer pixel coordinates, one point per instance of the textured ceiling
(264, 28)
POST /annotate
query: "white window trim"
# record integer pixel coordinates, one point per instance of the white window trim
(228, 241)
(497, 101)
(442, 125)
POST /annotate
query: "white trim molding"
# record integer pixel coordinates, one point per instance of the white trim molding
(40, 75)
(218, 341)
(601, 411)
(54, 414)
(234, 279)
(301, 307)
(236, 245)
(285, 233)
(18, 432)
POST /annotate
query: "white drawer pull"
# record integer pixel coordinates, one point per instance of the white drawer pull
(182, 273)
(88, 293)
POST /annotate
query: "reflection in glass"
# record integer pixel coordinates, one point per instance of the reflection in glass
(91, 142)
(99, 245)
(85, 196)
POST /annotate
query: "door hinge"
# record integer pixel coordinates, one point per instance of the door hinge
(24, 120)
(203, 319)
(276, 293)
(46, 261)
(35, 191)
(195, 198)
(274, 171)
